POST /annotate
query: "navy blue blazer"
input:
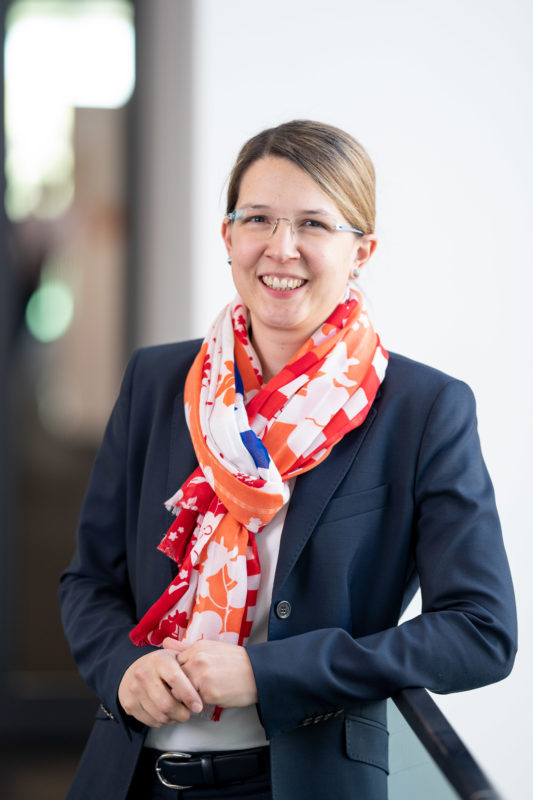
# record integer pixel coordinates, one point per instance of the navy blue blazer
(403, 500)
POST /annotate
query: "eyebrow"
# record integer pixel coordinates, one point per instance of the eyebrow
(309, 211)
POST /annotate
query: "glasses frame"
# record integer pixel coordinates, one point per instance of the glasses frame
(234, 215)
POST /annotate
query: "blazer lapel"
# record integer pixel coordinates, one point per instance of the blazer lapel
(311, 494)
(182, 458)
(182, 462)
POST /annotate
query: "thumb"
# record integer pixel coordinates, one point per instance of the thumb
(173, 644)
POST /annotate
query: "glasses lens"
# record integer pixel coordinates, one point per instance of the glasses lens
(313, 226)
(254, 223)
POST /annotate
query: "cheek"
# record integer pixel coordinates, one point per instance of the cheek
(334, 272)
(343, 266)
(243, 274)
(246, 253)
(237, 275)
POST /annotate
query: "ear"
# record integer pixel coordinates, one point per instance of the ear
(366, 246)
(226, 234)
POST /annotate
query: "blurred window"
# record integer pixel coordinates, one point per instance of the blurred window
(69, 74)
(59, 56)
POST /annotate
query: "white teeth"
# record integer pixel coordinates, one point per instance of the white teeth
(282, 284)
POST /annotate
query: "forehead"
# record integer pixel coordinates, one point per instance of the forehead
(277, 182)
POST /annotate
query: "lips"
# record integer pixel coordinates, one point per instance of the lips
(282, 284)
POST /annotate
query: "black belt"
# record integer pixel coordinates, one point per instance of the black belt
(178, 770)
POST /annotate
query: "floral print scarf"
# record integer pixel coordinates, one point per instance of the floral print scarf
(250, 438)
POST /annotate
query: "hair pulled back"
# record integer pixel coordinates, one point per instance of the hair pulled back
(331, 157)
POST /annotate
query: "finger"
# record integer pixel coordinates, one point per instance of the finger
(180, 686)
(152, 690)
(158, 703)
(166, 711)
(183, 691)
(162, 706)
(180, 713)
(155, 704)
(152, 720)
(139, 704)
(173, 644)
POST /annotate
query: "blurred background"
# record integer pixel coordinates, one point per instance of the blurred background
(122, 120)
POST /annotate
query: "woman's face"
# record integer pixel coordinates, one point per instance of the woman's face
(318, 266)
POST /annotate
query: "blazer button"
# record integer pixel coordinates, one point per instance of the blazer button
(283, 609)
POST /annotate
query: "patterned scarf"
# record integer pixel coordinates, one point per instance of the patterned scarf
(250, 439)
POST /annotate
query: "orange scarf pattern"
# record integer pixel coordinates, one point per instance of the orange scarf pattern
(250, 439)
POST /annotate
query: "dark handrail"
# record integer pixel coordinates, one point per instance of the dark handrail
(443, 744)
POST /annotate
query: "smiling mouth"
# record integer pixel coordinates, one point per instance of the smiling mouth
(282, 284)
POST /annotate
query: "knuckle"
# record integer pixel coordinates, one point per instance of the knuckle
(135, 692)
(182, 714)
(165, 707)
(141, 673)
(201, 658)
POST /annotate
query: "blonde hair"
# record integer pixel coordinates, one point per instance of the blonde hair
(330, 156)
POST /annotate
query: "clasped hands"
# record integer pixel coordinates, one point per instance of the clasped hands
(168, 685)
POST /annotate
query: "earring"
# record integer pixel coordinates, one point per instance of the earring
(229, 261)
(355, 272)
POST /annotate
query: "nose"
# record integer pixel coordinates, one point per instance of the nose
(281, 244)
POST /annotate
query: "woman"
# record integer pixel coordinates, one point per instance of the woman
(314, 481)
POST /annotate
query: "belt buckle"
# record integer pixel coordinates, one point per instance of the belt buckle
(176, 757)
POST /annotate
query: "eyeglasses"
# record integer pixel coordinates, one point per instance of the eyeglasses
(261, 225)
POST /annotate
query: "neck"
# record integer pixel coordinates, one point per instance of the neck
(274, 349)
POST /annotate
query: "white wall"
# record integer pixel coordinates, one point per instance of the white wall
(440, 94)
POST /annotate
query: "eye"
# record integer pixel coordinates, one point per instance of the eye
(251, 219)
(255, 221)
(314, 225)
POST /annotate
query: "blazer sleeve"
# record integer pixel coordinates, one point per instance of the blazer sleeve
(465, 636)
(97, 606)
